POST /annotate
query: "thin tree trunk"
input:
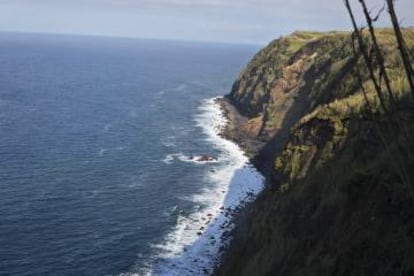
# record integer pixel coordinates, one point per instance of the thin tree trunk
(401, 45)
(380, 56)
(358, 73)
(367, 59)
(390, 127)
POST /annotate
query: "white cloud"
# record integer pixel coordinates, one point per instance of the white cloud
(218, 20)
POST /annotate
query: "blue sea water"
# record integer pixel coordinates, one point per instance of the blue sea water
(96, 139)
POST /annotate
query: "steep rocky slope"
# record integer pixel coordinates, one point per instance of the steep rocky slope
(339, 199)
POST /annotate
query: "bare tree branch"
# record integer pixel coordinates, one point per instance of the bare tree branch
(401, 45)
(375, 19)
(367, 59)
(379, 55)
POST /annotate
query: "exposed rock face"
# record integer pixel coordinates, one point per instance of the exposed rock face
(284, 82)
(334, 190)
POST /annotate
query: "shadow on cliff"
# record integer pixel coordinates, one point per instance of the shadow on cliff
(264, 159)
(302, 105)
(296, 232)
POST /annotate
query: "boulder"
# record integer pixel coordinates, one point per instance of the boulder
(205, 158)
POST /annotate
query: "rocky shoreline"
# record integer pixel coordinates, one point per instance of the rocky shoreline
(234, 128)
(201, 237)
(258, 147)
(251, 146)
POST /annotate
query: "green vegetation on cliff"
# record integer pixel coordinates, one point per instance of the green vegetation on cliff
(295, 74)
(340, 197)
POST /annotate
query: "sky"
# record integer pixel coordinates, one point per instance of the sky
(230, 21)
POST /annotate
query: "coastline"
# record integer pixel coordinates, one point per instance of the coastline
(255, 145)
(233, 129)
(199, 240)
(250, 146)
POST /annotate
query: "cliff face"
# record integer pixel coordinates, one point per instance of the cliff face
(339, 197)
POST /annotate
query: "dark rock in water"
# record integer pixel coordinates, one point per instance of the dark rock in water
(199, 233)
(205, 158)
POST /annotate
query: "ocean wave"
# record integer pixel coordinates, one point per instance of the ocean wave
(194, 245)
(195, 159)
(102, 151)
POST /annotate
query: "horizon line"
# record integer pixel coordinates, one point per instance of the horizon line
(108, 36)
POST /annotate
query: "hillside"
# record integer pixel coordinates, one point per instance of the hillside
(339, 196)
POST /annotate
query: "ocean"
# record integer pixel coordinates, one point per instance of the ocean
(98, 148)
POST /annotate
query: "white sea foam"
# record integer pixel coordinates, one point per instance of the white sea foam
(194, 246)
(102, 151)
(170, 158)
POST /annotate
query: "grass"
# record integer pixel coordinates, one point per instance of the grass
(336, 188)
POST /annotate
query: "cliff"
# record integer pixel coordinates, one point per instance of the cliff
(339, 196)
